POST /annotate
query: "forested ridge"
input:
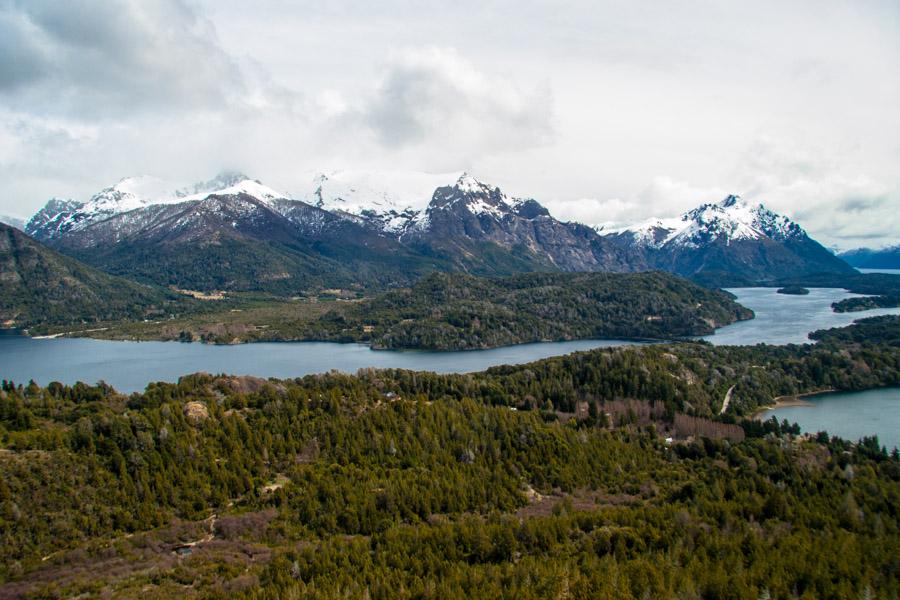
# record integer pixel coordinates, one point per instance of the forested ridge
(41, 287)
(458, 311)
(394, 484)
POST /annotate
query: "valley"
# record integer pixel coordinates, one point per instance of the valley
(549, 400)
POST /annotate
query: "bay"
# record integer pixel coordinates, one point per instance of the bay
(850, 415)
(788, 319)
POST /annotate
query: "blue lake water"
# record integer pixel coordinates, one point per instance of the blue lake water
(788, 319)
(129, 366)
(888, 271)
(850, 415)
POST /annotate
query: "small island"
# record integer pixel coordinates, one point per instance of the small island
(793, 290)
(859, 304)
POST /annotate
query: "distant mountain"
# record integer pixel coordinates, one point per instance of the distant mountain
(234, 234)
(732, 239)
(39, 286)
(482, 230)
(381, 229)
(867, 258)
(13, 222)
(386, 201)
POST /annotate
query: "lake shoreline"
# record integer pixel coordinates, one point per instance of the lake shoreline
(790, 400)
(625, 341)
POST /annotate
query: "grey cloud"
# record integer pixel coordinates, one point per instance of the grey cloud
(93, 58)
(861, 204)
(21, 60)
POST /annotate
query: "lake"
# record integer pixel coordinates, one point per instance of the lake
(788, 319)
(888, 271)
(850, 415)
(129, 366)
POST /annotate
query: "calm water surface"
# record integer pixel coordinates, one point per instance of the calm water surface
(129, 366)
(787, 319)
(888, 271)
(850, 415)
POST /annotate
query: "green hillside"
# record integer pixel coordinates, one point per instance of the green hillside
(458, 311)
(40, 287)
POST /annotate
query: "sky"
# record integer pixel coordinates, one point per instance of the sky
(607, 112)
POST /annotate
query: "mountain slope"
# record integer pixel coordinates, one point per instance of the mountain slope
(375, 230)
(867, 258)
(243, 236)
(483, 231)
(39, 286)
(734, 239)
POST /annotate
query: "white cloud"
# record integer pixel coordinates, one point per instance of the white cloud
(435, 97)
(107, 59)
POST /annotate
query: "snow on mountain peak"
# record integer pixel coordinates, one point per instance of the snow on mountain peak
(731, 200)
(248, 187)
(391, 200)
(469, 185)
(132, 193)
(731, 219)
(223, 180)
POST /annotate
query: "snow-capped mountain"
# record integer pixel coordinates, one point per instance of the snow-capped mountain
(481, 229)
(730, 220)
(61, 217)
(232, 232)
(732, 237)
(394, 226)
(387, 201)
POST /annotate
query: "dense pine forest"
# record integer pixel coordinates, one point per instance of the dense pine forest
(542, 480)
(458, 311)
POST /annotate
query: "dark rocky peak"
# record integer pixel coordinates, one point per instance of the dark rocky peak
(472, 196)
(531, 209)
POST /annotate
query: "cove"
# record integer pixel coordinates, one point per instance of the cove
(850, 415)
(786, 319)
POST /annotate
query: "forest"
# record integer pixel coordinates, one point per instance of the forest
(572, 476)
(457, 311)
(866, 303)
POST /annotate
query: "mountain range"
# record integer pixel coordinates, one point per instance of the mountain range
(368, 229)
(13, 222)
(868, 258)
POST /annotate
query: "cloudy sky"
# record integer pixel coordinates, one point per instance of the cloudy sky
(605, 111)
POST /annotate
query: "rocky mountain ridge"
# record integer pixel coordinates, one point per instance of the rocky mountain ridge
(467, 225)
